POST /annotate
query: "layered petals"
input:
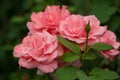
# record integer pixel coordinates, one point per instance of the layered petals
(48, 20)
(38, 49)
(72, 28)
(110, 38)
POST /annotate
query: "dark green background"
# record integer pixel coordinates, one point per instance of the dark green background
(15, 13)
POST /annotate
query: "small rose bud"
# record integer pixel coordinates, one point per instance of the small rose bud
(87, 28)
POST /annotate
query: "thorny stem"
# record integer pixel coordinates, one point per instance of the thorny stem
(87, 29)
(86, 44)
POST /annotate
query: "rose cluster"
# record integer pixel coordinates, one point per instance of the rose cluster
(41, 49)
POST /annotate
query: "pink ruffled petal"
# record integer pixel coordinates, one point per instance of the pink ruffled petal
(47, 68)
(28, 63)
(17, 51)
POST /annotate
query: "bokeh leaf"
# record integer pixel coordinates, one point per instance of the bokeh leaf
(114, 23)
(103, 10)
(17, 19)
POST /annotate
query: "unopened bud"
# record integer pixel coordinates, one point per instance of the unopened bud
(87, 28)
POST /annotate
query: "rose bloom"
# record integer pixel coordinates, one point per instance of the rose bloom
(96, 31)
(110, 38)
(39, 50)
(72, 28)
(48, 20)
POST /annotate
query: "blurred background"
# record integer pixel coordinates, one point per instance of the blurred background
(15, 13)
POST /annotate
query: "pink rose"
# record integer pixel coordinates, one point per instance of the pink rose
(72, 28)
(96, 30)
(110, 38)
(48, 20)
(39, 50)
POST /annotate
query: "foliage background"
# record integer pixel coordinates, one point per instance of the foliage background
(15, 13)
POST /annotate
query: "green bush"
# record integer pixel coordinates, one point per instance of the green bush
(15, 13)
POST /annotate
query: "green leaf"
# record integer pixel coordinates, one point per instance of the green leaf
(66, 73)
(96, 71)
(74, 47)
(88, 65)
(110, 75)
(82, 75)
(104, 73)
(98, 53)
(95, 78)
(89, 56)
(70, 57)
(102, 46)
